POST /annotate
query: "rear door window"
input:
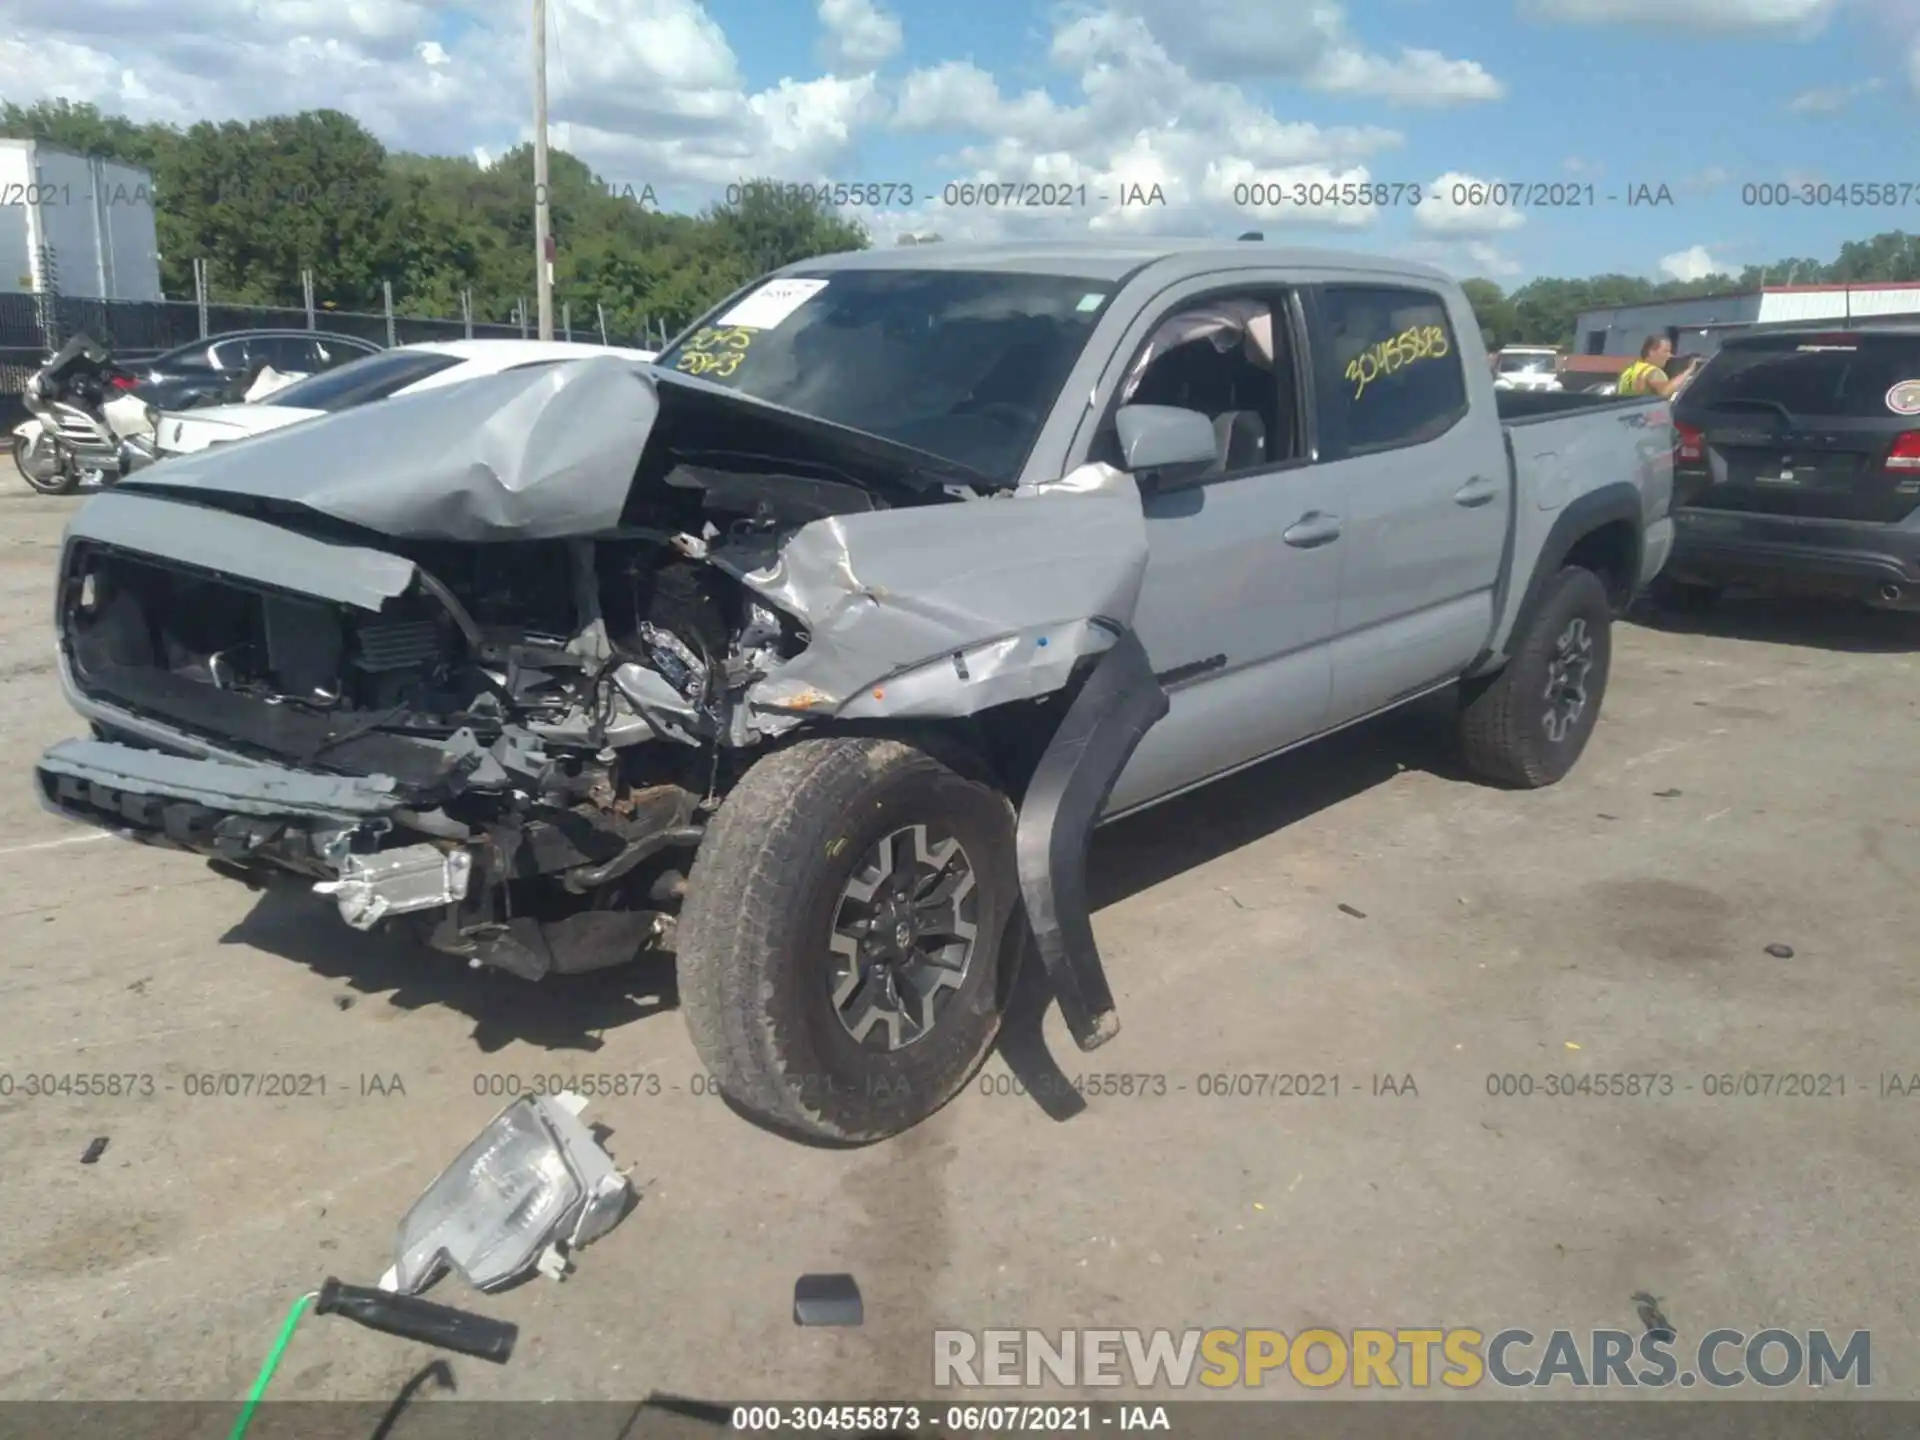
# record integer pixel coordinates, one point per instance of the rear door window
(1837, 377)
(1391, 372)
(362, 381)
(289, 354)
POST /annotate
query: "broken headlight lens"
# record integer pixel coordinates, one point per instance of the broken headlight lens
(532, 1182)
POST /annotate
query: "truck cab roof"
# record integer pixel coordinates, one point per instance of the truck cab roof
(1114, 261)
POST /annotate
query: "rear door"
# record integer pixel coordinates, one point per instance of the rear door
(1814, 427)
(1420, 475)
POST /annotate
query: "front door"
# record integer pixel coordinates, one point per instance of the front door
(1235, 618)
(1421, 476)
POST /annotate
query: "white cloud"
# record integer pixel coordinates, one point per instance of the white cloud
(1831, 99)
(646, 91)
(1146, 93)
(1692, 263)
(1698, 15)
(1465, 205)
(1307, 41)
(1221, 161)
(1491, 261)
(860, 36)
(1414, 77)
(1465, 259)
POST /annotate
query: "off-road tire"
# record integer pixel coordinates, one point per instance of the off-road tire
(753, 958)
(63, 481)
(1682, 597)
(1504, 728)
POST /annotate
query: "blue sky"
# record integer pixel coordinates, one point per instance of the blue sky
(1615, 104)
(1201, 97)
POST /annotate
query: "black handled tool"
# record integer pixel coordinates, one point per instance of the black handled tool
(412, 1318)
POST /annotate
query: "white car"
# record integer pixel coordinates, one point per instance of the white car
(1526, 367)
(399, 371)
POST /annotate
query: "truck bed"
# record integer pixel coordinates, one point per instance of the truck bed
(1519, 407)
(1574, 450)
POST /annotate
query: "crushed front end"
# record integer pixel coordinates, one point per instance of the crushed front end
(482, 662)
(460, 754)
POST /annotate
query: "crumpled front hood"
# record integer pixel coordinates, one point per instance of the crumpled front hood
(528, 454)
(540, 453)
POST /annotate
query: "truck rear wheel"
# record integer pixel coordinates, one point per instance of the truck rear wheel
(1527, 725)
(842, 965)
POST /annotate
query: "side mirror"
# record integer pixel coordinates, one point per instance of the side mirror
(1165, 444)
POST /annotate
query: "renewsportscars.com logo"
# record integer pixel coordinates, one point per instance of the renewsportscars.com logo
(1451, 1359)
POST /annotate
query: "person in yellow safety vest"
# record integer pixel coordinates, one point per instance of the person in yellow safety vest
(1648, 375)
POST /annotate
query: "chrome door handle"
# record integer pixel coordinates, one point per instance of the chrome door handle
(1477, 491)
(1311, 529)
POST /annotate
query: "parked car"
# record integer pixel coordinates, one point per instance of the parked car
(1797, 467)
(399, 371)
(211, 369)
(1527, 367)
(814, 652)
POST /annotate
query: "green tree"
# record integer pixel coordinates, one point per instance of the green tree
(1498, 324)
(771, 225)
(264, 200)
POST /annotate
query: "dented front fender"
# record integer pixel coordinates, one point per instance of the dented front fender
(948, 611)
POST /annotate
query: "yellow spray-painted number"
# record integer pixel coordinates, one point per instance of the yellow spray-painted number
(715, 353)
(1415, 343)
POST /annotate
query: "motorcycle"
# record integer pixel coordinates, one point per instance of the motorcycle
(87, 427)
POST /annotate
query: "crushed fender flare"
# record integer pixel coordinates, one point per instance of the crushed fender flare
(1119, 702)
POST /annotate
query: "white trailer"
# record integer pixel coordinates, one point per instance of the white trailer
(76, 225)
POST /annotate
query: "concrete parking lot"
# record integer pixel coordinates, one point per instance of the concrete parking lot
(1357, 910)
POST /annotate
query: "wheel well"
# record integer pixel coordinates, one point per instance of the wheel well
(1001, 746)
(1611, 551)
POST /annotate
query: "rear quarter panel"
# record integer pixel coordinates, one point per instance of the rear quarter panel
(1579, 469)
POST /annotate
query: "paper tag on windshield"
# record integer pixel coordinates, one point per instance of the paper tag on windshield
(772, 303)
(1904, 398)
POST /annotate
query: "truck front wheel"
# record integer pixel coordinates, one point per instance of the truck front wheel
(1527, 725)
(841, 956)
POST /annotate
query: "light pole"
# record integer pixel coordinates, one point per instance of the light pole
(542, 222)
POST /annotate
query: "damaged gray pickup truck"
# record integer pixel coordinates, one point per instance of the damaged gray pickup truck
(814, 653)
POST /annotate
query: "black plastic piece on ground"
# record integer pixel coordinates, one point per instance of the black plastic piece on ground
(411, 1318)
(827, 1300)
(1118, 704)
(95, 1149)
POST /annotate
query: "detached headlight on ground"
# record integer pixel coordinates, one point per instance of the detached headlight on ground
(532, 1186)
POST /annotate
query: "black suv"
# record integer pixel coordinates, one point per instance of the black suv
(1797, 467)
(211, 369)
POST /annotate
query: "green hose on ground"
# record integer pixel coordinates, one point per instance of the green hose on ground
(265, 1377)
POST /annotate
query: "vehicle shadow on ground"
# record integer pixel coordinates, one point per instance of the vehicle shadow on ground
(1818, 624)
(573, 1013)
(565, 1012)
(1140, 852)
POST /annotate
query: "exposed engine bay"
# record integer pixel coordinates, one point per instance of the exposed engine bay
(569, 703)
(496, 704)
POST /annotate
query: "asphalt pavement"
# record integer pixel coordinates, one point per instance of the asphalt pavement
(1725, 886)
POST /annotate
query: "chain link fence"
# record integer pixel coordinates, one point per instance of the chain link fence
(33, 326)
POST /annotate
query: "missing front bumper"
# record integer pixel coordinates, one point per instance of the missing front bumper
(336, 832)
